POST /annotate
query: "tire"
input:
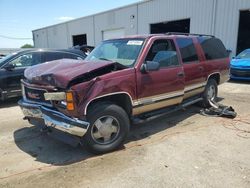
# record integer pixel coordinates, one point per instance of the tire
(109, 126)
(210, 93)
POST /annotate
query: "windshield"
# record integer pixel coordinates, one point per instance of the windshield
(244, 55)
(122, 51)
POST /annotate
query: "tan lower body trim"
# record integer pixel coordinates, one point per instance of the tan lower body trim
(157, 105)
(193, 92)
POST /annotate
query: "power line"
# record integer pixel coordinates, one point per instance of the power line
(14, 38)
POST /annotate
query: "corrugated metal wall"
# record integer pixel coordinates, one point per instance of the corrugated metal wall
(217, 17)
(58, 34)
(227, 20)
(117, 19)
(199, 11)
(81, 26)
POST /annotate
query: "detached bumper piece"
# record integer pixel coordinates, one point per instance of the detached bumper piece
(52, 118)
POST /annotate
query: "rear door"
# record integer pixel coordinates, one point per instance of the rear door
(195, 79)
(216, 59)
(164, 87)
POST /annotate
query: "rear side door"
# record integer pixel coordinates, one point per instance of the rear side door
(195, 79)
(11, 77)
(215, 57)
(164, 87)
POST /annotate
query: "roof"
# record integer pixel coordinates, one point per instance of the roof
(75, 51)
(173, 34)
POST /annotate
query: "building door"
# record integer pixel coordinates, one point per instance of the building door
(79, 40)
(115, 33)
(243, 31)
(182, 26)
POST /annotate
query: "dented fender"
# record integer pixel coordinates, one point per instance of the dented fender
(106, 85)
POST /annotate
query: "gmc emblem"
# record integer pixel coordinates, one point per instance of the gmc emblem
(33, 95)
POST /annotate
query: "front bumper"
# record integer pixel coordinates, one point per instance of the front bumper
(239, 73)
(53, 118)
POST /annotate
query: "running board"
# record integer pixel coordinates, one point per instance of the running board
(162, 112)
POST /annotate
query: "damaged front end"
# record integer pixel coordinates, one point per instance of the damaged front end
(54, 91)
(52, 119)
(38, 106)
(66, 72)
(51, 99)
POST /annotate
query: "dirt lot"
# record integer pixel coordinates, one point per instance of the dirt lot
(184, 149)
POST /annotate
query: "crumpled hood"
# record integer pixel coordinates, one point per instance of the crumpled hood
(240, 63)
(59, 73)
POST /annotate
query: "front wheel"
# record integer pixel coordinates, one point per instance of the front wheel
(210, 93)
(109, 126)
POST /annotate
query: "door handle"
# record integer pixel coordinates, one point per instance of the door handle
(180, 74)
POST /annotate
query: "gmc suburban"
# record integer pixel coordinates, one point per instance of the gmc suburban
(94, 101)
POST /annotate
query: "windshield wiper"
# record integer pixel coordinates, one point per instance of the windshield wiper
(105, 59)
(115, 62)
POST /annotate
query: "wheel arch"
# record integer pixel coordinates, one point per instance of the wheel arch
(122, 99)
(216, 76)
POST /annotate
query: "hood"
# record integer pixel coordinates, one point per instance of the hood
(60, 73)
(240, 63)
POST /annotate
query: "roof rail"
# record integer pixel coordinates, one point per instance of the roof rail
(187, 34)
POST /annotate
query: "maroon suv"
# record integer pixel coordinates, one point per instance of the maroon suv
(94, 101)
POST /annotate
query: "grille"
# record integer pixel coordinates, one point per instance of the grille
(240, 72)
(36, 95)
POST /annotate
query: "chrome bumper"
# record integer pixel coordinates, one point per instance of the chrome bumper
(53, 118)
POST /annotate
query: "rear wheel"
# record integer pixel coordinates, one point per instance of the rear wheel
(210, 93)
(109, 126)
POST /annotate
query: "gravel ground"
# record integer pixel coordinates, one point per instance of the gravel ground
(183, 149)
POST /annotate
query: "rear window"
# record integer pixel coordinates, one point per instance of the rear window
(213, 48)
(187, 49)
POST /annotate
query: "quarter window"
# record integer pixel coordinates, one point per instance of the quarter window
(164, 52)
(187, 49)
(213, 48)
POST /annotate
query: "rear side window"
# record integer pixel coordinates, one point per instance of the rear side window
(213, 48)
(187, 49)
(50, 56)
(71, 56)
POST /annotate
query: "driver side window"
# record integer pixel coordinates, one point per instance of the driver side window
(26, 60)
(163, 52)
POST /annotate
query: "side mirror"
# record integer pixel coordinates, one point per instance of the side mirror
(149, 66)
(9, 67)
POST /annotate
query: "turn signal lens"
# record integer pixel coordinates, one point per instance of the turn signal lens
(69, 100)
(69, 96)
(70, 106)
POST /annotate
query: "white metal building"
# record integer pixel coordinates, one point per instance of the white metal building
(228, 20)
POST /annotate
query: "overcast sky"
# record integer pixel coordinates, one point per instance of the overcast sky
(19, 17)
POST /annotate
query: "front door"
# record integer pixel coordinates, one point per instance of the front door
(164, 87)
(11, 84)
